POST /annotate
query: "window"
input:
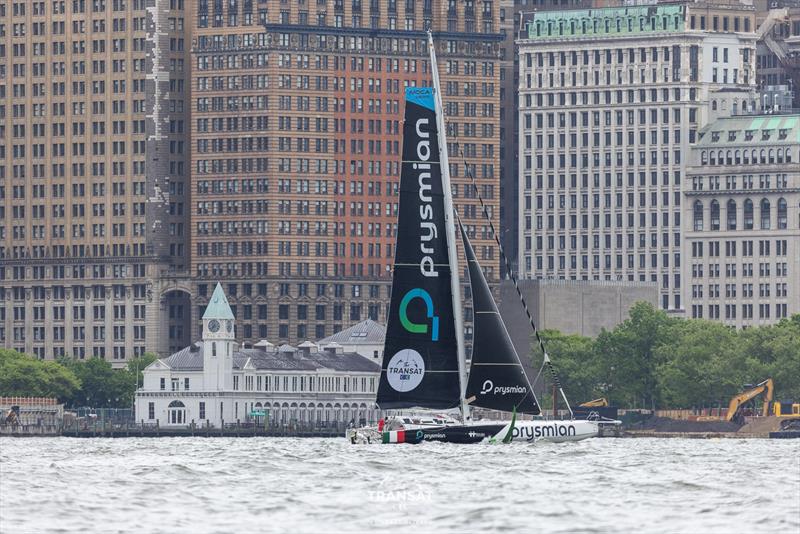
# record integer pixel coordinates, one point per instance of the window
(782, 218)
(698, 216)
(176, 413)
(748, 214)
(163, 384)
(731, 214)
(714, 215)
(765, 214)
(202, 409)
(151, 409)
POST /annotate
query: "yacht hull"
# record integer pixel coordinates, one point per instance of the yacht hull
(523, 431)
(553, 431)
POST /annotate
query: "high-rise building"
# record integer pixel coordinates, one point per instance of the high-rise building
(610, 101)
(778, 48)
(741, 219)
(512, 17)
(296, 137)
(87, 225)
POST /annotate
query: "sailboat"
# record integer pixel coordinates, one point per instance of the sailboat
(424, 364)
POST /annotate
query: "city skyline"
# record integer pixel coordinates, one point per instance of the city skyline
(154, 148)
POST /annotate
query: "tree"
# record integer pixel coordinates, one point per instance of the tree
(627, 358)
(102, 386)
(573, 358)
(776, 349)
(699, 364)
(24, 376)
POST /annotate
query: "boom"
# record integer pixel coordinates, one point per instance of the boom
(766, 387)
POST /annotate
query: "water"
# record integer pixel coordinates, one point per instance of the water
(207, 485)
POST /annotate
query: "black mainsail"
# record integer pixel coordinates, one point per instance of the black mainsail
(497, 379)
(420, 363)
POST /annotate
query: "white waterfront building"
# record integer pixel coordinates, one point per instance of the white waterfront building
(214, 382)
(366, 338)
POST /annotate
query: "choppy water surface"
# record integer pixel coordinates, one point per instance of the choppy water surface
(202, 485)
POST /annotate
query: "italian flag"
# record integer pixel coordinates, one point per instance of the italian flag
(394, 436)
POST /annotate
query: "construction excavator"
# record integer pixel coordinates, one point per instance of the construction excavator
(596, 403)
(765, 388)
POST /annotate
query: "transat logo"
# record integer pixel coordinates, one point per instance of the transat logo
(419, 328)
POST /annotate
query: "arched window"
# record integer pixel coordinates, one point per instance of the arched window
(704, 157)
(779, 156)
(754, 157)
(771, 155)
(737, 157)
(788, 155)
(731, 214)
(714, 215)
(729, 158)
(748, 214)
(765, 214)
(746, 158)
(782, 215)
(714, 105)
(176, 413)
(698, 216)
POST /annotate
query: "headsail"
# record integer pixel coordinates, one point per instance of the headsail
(420, 362)
(496, 379)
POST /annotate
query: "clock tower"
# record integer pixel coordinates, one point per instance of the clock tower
(218, 338)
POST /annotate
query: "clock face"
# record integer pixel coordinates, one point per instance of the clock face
(213, 325)
(229, 326)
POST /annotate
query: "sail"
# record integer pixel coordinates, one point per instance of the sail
(496, 379)
(420, 361)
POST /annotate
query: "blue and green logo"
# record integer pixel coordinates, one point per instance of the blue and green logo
(419, 328)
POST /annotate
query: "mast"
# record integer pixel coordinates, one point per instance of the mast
(455, 284)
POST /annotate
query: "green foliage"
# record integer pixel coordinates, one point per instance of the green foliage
(24, 376)
(74, 382)
(574, 359)
(654, 361)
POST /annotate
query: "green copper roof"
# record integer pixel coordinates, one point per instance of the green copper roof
(607, 22)
(218, 307)
(782, 130)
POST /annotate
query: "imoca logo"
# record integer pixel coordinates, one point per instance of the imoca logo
(419, 328)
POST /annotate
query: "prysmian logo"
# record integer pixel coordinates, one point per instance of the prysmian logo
(405, 370)
(488, 387)
(555, 430)
(419, 328)
(428, 228)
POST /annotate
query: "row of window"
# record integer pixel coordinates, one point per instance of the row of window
(285, 383)
(781, 311)
(737, 157)
(764, 290)
(731, 220)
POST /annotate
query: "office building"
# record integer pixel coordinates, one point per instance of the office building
(89, 222)
(610, 101)
(742, 221)
(296, 135)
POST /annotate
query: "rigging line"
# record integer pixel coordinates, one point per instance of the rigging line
(510, 272)
(503, 255)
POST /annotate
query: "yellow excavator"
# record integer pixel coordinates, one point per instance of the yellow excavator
(765, 388)
(596, 403)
